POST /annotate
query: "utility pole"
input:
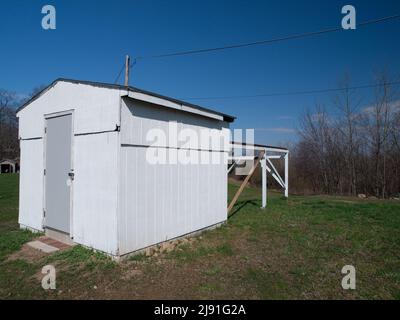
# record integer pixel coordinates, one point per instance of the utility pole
(127, 64)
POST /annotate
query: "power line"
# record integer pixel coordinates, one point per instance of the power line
(262, 42)
(132, 64)
(293, 93)
(269, 41)
(119, 74)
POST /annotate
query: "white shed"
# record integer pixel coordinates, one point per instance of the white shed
(85, 173)
(8, 166)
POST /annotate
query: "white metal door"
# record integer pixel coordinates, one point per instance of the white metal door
(58, 172)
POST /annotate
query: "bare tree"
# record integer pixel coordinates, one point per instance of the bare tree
(318, 140)
(8, 125)
(348, 104)
(380, 124)
(9, 145)
(353, 150)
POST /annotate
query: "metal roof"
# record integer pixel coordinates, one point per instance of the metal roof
(14, 161)
(244, 144)
(226, 117)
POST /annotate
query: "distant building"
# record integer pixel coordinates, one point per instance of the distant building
(9, 166)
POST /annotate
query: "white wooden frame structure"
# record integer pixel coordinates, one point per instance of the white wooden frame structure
(267, 154)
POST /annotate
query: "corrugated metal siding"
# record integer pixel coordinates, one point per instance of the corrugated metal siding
(160, 202)
(137, 118)
(31, 184)
(95, 198)
(164, 201)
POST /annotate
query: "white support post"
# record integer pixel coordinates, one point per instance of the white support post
(287, 174)
(231, 167)
(275, 173)
(264, 182)
(267, 167)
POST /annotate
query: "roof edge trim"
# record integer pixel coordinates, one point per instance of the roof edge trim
(225, 117)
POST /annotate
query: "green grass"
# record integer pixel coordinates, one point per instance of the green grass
(8, 201)
(11, 237)
(77, 255)
(139, 257)
(268, 285)
(293, 249)
(187, 253)
(325, 233)
(208, 288)
(12, 240)
(212, 271)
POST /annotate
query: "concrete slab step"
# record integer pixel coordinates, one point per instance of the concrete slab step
(55, 243)
(42, 246)
(48, 245)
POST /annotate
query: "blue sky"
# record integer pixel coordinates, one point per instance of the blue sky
(92, 38)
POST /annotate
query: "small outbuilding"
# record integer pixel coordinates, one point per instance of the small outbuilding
(9, 166)
(92, 169)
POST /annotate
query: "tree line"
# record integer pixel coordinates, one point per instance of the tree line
(9, 103)
(9, 144)
(344, 148)
(354, 149)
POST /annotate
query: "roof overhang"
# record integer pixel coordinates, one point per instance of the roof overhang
(259, 147)
(8, 161)
(143, 95)
(171, 104)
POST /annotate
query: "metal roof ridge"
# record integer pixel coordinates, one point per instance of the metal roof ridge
(227, 117)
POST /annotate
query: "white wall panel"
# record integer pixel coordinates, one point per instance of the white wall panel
(160, 202)
(95, 190)
(95, 108)
(31, 184)
(138, 118)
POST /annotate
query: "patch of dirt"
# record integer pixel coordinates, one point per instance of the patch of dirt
(169, 246)
(28, 254)
(162, 277)
(130, 273)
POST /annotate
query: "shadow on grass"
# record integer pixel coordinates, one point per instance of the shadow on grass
(240, 205)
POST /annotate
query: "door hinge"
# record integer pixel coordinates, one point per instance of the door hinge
(44, 172)
(45, 129)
